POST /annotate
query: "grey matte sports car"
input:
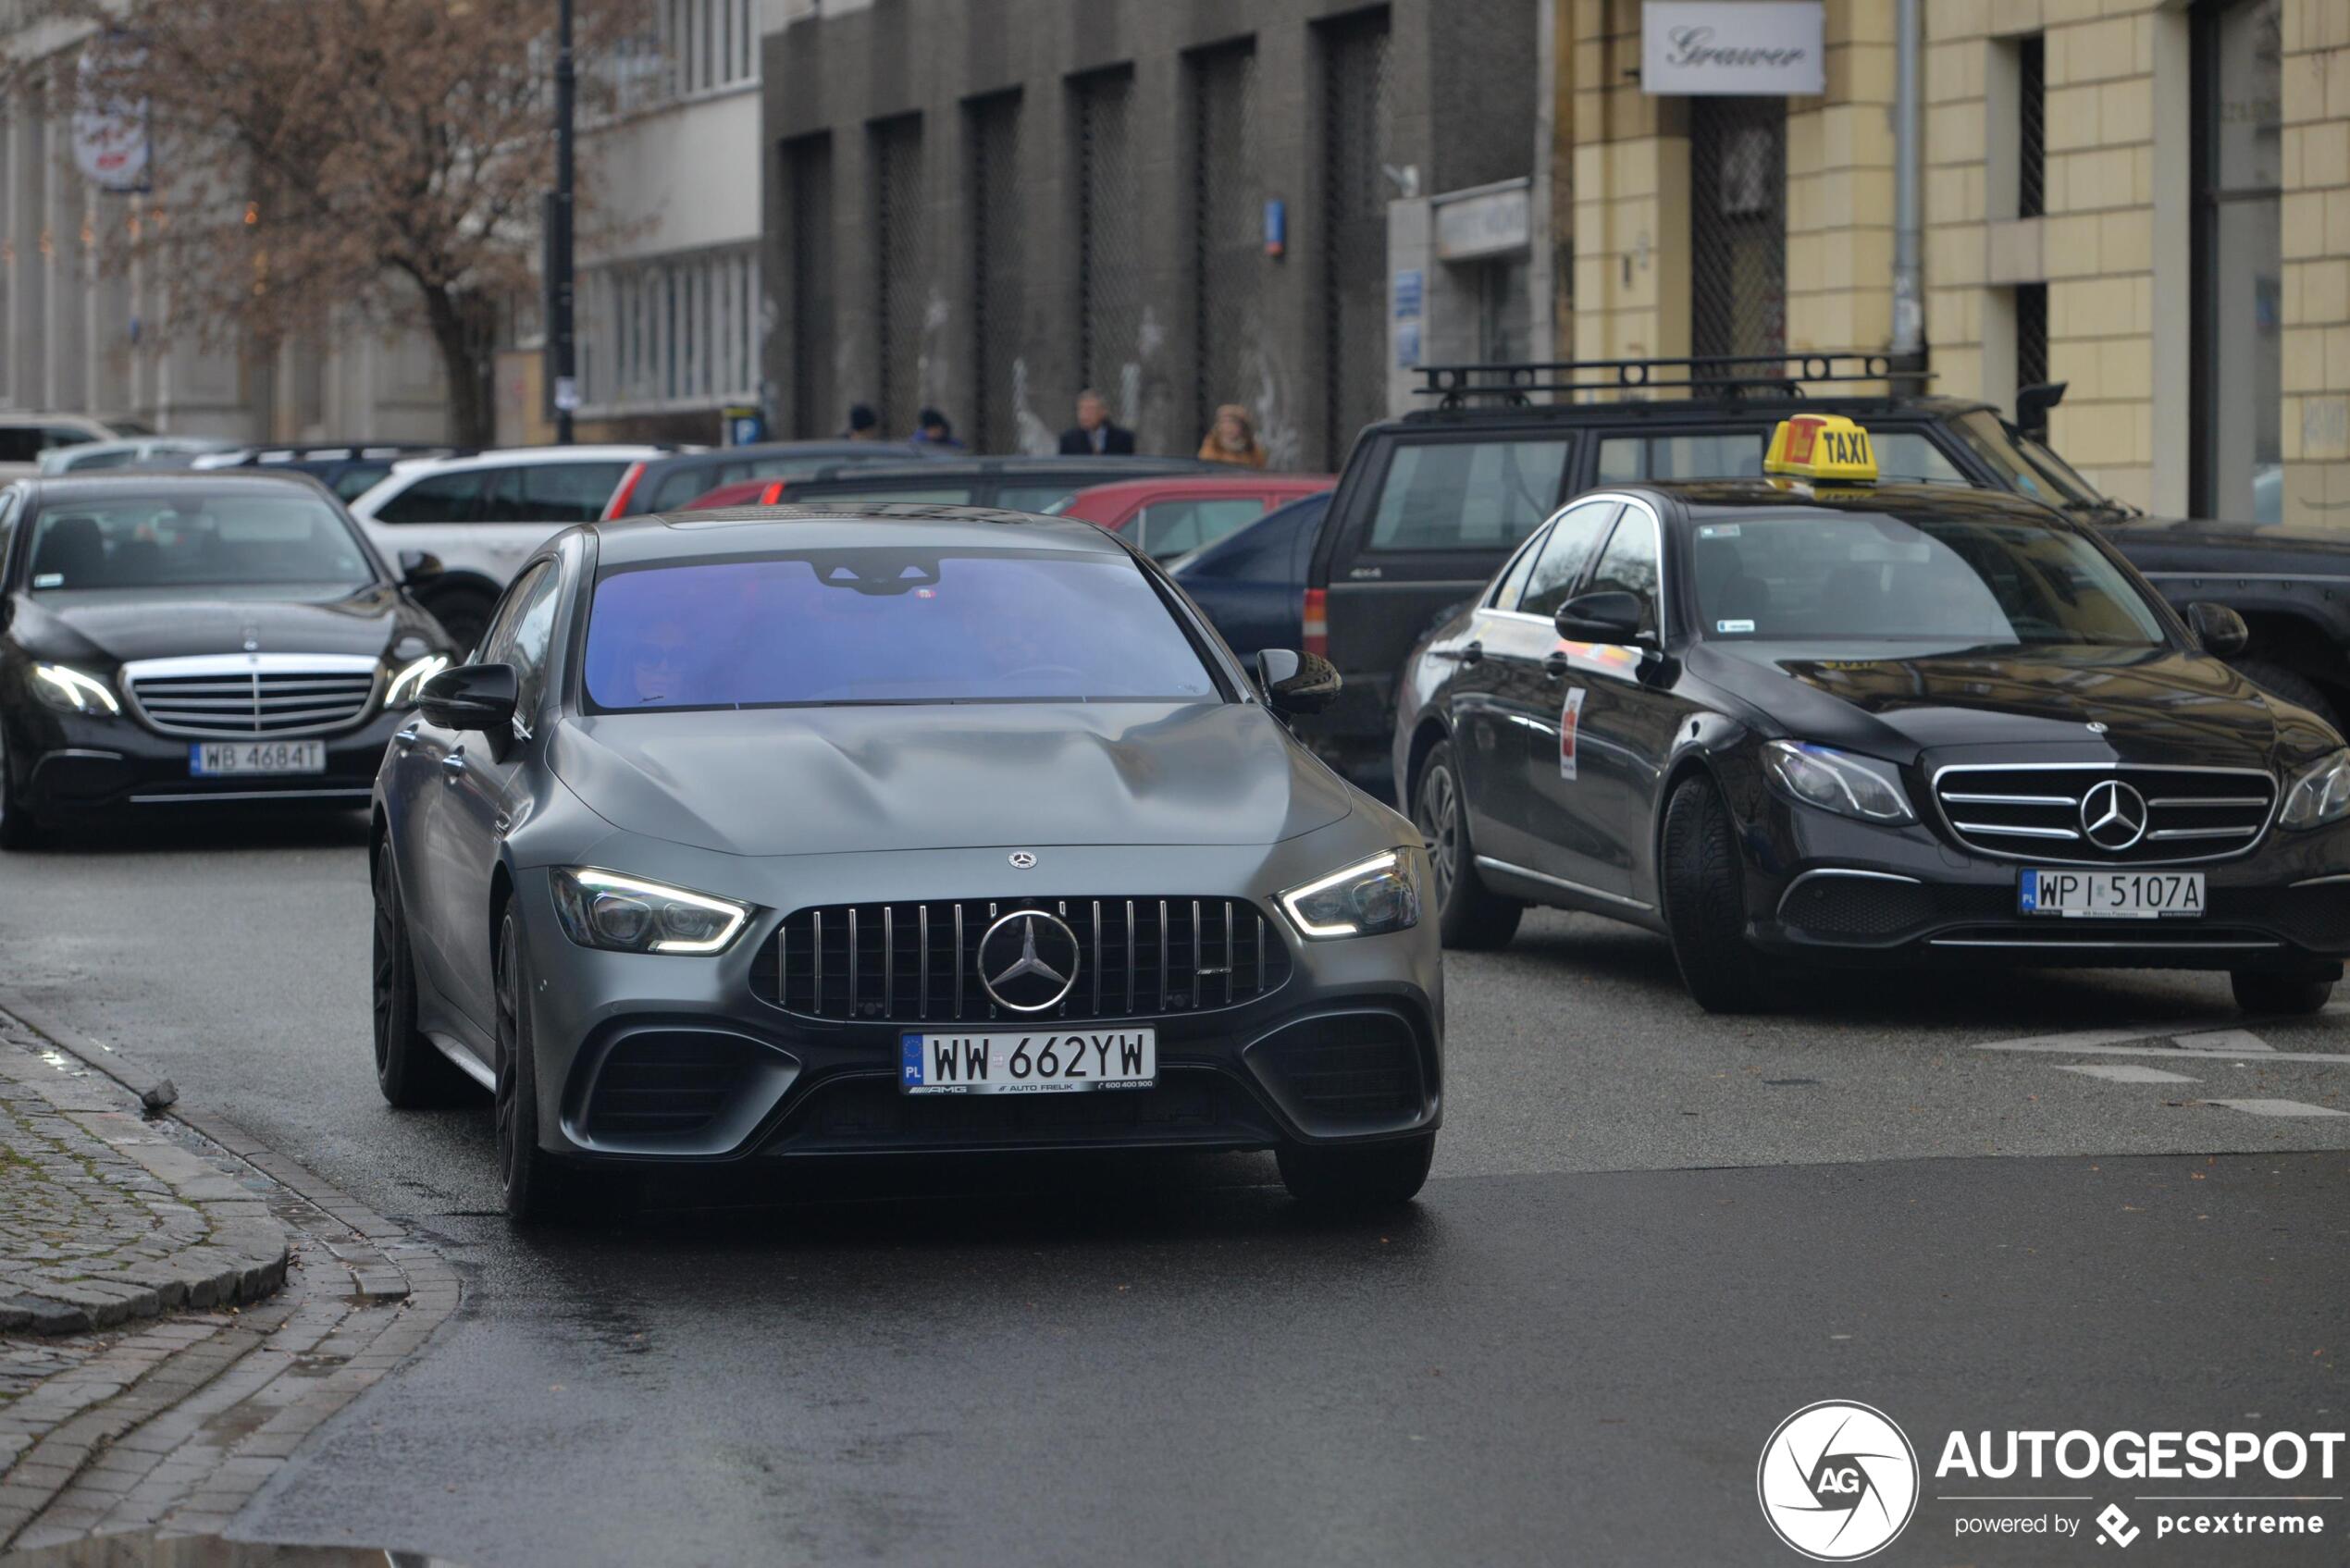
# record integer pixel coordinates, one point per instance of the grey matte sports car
(818, 829)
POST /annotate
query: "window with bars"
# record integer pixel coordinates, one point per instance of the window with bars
(1227, 228)
(2031, 334)
(992, 141)
(2030, 144)
(1358, 131)
(1110, 271)
(808, 240)
(900, 268)
(676, 331)
(1738, 225)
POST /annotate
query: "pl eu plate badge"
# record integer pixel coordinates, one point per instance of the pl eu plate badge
(1570, 721)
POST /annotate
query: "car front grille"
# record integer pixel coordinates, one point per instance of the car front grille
(2037, 813)
(239, 696)
(911, 963)
(666, 1083)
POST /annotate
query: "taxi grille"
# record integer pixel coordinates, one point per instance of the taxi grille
(2035, 813)
(910, 963)
(272, 696)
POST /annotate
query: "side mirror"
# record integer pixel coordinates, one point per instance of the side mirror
(1294, 682)
(2033, 402)
(416, 565)
(472, 696)
(1611, 616)
(2220, 629)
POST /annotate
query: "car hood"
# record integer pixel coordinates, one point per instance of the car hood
(2153, 706)
(115, 625)
(801, 780)
(2218, 550)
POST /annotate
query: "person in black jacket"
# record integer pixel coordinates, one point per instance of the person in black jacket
(1094, 433)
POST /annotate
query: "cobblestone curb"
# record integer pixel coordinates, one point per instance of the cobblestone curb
(103, 1218)
(173, 1424)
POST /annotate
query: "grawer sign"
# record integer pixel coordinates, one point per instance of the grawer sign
(1771, 48)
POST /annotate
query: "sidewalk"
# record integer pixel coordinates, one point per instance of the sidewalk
(179, 1307)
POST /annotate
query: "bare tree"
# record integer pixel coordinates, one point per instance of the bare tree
(331, 161)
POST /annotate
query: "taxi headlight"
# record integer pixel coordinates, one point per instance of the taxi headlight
(630, 915)
(70, 691)
(2319, 794)
(1364, 899)
(1837, 781)
(409, 681)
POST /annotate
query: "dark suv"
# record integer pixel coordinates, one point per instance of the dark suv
(1430, 504)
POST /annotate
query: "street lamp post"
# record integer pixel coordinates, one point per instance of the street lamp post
(559, 236)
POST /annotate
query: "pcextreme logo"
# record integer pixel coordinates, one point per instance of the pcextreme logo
(1838, 1481)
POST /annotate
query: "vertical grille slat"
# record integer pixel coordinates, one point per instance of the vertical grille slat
(1139, 970)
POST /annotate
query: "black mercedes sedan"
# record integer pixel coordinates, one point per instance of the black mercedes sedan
(791, 832)
(194, 640)
(1790, 724)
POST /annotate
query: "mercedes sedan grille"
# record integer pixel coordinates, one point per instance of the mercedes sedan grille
(239, 695)
(913, 963)
(2130, 814)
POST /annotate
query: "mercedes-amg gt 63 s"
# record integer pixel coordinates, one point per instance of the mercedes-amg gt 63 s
(1792, 724)
(179, 643)
(891, 827)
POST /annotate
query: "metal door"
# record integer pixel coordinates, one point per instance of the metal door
(1227, 231)
(900, 271)
(1357, 144)
(997, 271)
(1109, 271)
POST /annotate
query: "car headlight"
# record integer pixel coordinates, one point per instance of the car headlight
(1837, 781)
(70, 691)
(2319, 794)
(1364, 899)
(631, 915)
(409, 681)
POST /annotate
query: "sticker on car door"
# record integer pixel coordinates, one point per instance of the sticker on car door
(1570, 722)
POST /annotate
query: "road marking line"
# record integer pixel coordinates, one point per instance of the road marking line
(2277, 1108)
(2233, 1041)
(2055, 1047)
(2132, 1074)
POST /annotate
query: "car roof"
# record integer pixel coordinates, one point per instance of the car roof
(116, 481)
(1250, 483)
(737, 530)
(525, 457)
(1861, 408)
(1719, 500)
(934, 469)
(897, 454)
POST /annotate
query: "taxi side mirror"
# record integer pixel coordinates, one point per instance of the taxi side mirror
(472, 696)
(1296, 683)
(2220, 629)
(1611, 616)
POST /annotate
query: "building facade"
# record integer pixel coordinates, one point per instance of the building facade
(2146, 200)
(987, 205)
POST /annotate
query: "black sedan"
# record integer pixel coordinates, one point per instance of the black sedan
(193, 640)
(1785, 725)
(779, 832)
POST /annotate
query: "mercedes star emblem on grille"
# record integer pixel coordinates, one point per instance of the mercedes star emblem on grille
(1023, 861)
(1028, 960)
(2113, 815)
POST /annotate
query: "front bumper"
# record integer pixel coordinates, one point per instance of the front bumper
(1830, 890)
(69, 767)
(653, 1056)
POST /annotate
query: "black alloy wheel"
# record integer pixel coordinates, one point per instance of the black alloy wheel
(2291, 995)
(1469, 915)
(18, 829)
(534, 1184)
(1359, 1177)
(410, 1069)
(1704, 886)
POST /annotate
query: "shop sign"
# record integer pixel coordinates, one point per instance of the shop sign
(1767, 48)
(1489, 222)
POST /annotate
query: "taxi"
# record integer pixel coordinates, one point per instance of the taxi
(1810, 718)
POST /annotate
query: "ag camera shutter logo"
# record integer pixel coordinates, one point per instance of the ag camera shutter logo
(1838, 1481)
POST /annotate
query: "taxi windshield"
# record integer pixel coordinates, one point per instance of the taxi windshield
(880, 625)
(227, 538)
(1973, 581)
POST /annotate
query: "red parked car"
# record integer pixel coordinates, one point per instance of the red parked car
(742, 492)
(1174, 514)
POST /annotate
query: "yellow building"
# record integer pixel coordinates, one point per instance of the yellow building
(2147, 200)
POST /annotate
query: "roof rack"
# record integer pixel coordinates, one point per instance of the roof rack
(1731, 376)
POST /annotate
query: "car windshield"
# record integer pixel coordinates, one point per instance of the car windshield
(1973, 581)
(876, 626)
(2021, 470)
(170, 539)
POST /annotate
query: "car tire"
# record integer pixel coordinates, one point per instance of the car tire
(1372, 1176)
(410, 1069)
(464, 614)
(1704, 885)
(1469, 915)
(18, 828)
(537, 1187)
(2289, 993)
(2290, 684)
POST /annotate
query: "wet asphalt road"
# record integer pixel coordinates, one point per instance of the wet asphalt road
(1651, 1235)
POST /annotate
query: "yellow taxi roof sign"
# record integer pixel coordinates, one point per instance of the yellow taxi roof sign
(1822, 446)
